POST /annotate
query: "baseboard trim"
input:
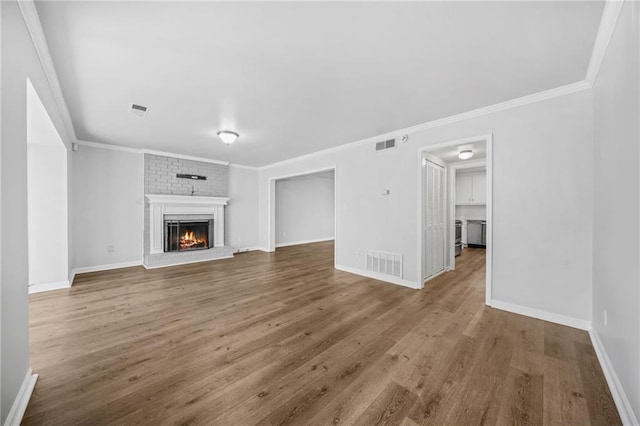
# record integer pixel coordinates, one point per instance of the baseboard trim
(98, 268)
(542, 315)
(297, 243)
(376, 276)
(247, 249)
(39, 288)
(264, 249)
(617, 391)
(22, 399)
(186, 263)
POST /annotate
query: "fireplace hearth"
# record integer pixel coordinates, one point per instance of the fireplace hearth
(188, 235)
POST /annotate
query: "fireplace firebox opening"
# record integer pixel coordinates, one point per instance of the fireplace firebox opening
(186, 235)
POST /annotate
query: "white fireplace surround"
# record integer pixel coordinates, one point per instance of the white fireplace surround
(161, 205)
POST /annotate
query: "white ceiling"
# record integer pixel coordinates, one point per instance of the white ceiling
(294, 78)
(449, 154)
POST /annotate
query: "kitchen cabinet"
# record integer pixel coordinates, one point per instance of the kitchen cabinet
(471, 188)
(464, 189)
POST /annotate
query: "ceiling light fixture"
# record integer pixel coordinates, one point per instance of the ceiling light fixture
(227, 136)
(465, 155)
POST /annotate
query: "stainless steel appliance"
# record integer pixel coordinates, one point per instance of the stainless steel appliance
(458, 243)
(477, 233)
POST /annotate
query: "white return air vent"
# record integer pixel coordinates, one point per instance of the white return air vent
(138, 110)
(384, 263)
(389, 143)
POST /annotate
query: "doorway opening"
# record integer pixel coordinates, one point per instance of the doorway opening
(302, 209)
(455, 207)
(47, 215)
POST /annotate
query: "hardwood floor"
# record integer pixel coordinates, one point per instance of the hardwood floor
(285, 339)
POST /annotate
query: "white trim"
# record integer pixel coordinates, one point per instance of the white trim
(488, 162)
(109, 146)
(107, 267)
(34, 27)
(162, 205)
(242, 166)
(184, 157)
(271, 203)
(513, 103)
(40, 287)
(489, 221)
(454, 167)
(608, 22)
(617, 391)
(377, 276)
(151, 151)
(186, 263)
(607, 25)
(297, 243)
(14, 418)
(542, 315)
(186, 200)
(246, 249)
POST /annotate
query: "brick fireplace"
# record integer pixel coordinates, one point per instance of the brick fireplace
(184, 218)
(185, 229)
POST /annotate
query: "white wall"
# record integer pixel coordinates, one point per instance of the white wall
(47, 196)
(616, 254)
(242, 211)
(19, 61)
(542, 193)
(108, 203)
(305, 208)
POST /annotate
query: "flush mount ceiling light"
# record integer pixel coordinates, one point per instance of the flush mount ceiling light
(465, 154)
(227, 136)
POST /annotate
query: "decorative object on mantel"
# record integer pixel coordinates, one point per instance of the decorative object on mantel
(194, 177)
(227, 136)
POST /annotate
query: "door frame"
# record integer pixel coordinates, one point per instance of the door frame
(453, 168)
(488, 139)
(271, 202)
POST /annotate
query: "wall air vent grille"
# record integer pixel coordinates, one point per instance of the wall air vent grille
(390, 143)
(138, 110)
(384, 263)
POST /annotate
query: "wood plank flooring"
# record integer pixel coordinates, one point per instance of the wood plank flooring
(285, 339)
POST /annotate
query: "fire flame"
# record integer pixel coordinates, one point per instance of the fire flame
(189, 239)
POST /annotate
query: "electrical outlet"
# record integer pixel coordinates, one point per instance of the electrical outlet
(110, 249)
(605, 316)
(357, 253)
(284, 234)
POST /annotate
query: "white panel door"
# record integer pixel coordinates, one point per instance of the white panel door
(434, 219)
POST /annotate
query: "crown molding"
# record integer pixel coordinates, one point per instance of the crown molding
(610, 15)
(502, 106)
(143, 151)
(34, 27)
(184, 157)
(108, 146)
(242, 166)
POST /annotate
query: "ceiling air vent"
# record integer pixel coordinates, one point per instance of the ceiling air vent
(138, 110)
(390, 143)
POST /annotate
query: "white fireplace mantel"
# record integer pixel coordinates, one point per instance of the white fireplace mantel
(161, 205)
